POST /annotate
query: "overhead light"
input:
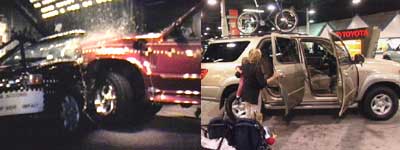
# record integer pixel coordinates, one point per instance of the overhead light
(64, 3)
(45, 2)
(271, 7)
(62, 10)
(87, 3)
(253, 10)
(206, 33)
(219, 28)
(212, 2)
(47, 8)
(208, 28)
(355, 2)
(37, 5)
(32, 1)
(312, 21)
(311, 11)
(50, 14)
(73, 7)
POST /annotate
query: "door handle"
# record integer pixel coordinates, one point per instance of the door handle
(280, 73)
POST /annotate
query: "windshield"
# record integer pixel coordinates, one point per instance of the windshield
(342, 53)
(224, 52)
(51, 50)
(59, 49)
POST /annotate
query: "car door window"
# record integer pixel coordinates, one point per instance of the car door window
(224, 52)
(342, 55)
(286, 51)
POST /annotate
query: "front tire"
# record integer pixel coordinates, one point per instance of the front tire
(380, 103)
(234, 108)
(115, 100)
(69, 118)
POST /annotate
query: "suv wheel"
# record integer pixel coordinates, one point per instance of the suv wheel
(380, 103)
(234, 108)
(69, 112)
(113, 99)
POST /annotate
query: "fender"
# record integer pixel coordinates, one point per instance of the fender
(374, 79)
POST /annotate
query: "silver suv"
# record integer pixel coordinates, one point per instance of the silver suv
(318, 73)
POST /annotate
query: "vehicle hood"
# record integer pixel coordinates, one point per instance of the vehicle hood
(380, 66)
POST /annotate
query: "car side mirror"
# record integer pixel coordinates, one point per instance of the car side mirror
(359, 59)
(140, 45)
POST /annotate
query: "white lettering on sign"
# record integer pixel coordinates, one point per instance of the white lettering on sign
(24, 102)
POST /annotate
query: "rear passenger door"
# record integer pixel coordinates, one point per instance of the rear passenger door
(286, 60)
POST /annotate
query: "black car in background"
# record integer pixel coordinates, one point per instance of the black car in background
(42, 79)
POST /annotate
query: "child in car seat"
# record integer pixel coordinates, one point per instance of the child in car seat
(238, 74)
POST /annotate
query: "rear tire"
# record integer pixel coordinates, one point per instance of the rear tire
(380, 103)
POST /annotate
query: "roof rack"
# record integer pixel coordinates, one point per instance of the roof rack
(257, 35)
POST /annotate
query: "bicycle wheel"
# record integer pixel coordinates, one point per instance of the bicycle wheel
(248, 22)
(286, 20)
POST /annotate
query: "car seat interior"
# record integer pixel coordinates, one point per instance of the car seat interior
(321, 67)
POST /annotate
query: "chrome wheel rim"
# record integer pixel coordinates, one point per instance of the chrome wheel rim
(70, 113)
(238, 109)
(106, 99)
(381, 104)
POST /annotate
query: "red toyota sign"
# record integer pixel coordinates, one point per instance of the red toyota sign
(353, 34)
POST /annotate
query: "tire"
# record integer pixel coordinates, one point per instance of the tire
(68, 109)
(386, 57)
(228, 106)
(123, 104)
(373, 97)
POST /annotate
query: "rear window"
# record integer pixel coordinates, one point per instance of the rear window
(224, 52)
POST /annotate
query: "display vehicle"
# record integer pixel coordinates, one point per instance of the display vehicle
(317, 73)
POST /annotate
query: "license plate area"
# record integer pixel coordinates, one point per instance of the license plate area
(21, 102)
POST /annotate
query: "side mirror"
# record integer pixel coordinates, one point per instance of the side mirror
(359, 59)
(140, 45)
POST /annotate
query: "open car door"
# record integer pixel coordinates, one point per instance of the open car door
(347, 83)
(286, 60)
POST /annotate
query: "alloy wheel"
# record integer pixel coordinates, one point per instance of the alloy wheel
(106, 99)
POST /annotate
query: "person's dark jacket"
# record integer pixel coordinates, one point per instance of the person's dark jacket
(254, 81)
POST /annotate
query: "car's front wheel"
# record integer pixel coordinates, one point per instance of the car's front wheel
(115, 100)
(380, 103)
(69, 112)
(234, 107)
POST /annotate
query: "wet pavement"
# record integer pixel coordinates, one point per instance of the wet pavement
(173, 128)
(322, 130)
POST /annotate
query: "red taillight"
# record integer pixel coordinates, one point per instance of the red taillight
(270, 141)
(203, 73)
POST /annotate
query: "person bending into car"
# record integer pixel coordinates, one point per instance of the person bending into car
(255, 78)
